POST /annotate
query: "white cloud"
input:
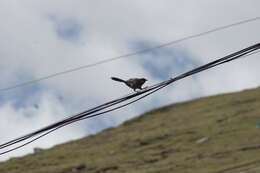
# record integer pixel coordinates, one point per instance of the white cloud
(31, 47)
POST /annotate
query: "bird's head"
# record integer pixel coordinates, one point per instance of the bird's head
(144, 79)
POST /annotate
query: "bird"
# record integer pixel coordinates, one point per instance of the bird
(134, 83)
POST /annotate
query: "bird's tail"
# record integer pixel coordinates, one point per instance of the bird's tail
(117, 79)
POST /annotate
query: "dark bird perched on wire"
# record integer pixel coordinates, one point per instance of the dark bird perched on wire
(134, 83)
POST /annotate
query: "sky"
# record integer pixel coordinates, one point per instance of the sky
(39, 38)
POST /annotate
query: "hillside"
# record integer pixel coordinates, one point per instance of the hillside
(208, 135)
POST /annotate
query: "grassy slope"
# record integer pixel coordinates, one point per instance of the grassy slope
(163, 140)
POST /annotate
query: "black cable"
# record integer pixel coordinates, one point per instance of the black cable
(62, 125)
(94, 111)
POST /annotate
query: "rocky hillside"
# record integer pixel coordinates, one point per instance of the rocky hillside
(217, 134)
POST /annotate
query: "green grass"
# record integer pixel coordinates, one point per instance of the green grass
(163, 141)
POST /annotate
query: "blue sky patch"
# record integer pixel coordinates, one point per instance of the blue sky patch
(165, 62)
(21, 97)
(68, 29)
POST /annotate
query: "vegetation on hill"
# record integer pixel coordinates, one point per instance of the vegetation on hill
(208, 135)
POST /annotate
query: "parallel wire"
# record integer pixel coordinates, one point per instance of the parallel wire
(82, 118)
(149, 90)
(78, 116)
(128, 55)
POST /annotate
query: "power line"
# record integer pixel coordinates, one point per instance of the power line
(127, 55)
(101, 109)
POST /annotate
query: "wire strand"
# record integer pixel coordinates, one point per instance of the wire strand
(128, 55)
(95, 111)
(75, 120)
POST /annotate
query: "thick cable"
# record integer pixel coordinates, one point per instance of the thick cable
(93, 112)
